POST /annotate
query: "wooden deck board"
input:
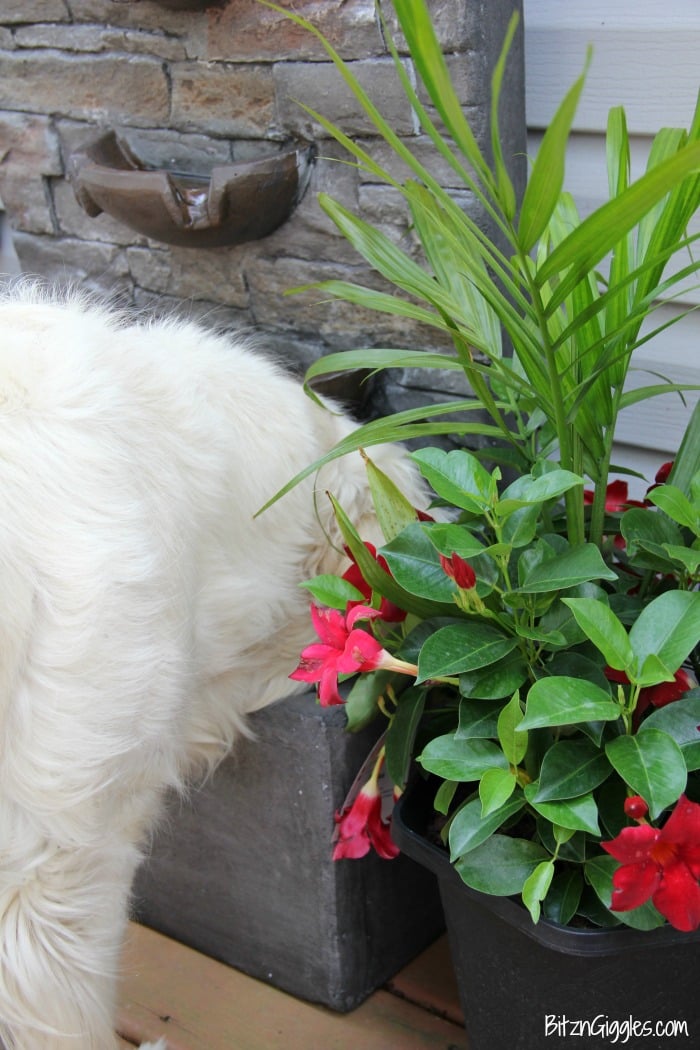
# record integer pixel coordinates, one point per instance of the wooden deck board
(199, 1004)
(429, 981)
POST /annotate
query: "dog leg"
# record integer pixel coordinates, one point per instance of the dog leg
(61, 929)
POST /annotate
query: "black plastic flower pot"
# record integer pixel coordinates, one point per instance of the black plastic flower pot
(544, 987)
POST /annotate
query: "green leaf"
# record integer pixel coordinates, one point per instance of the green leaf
(680, 720)
(450, 538)
(576, 814)
(547, 175)
(457, 476)
(687, 558)
(575, 566)
(536, 888)
(469, 829)
(601, 625)
(444, 796)
(415, 565)
(528, 490)
(478, 719)
(652, 672)
(401, 734)
(378, 358)
(374, 574)
(589, 242)
(564, 895)
(461, 760)
(564, 701)
(462, 647)
(332, 591)
(497, 681)
(495, 788)
(362, 704)
(641, 528)
(676, 504)
(427, 54)
(668, 628)
(505, 191)
(394, 512)
(399, 426)
(652, 764)
(685, 466)
(570, 768)
(514, 744)
(500, 865)
(551, 639)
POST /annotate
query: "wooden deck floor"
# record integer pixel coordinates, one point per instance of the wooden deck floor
(199, 1004)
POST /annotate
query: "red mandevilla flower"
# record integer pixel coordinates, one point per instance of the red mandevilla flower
(653, 695)
(616, 497)
(343, 649)
(661, 865)
(459, 570)
(360, 827)
(388, 611)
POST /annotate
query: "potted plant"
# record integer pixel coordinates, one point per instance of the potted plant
(535, 648)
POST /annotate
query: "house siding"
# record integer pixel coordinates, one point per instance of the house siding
(645, 58)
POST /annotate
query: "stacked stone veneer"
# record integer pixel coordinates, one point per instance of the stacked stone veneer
(188, 89)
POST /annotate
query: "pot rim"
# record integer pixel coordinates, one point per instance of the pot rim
(408, 823)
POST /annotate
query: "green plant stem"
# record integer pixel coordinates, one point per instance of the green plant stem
(597, 521)
(595, 534)
(572, 499)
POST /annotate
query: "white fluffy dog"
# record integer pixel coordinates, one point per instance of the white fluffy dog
(143, 612)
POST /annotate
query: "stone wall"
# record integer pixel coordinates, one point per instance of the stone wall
(188, 89)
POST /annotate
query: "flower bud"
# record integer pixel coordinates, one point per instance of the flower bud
(459, 570)
(635, 807)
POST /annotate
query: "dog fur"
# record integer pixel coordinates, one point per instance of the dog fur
(144, 611)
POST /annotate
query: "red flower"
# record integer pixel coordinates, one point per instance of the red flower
(663, 865)
(663, 472)
(656, 695)
(361, 827)
(635, 807)
(343, 649)
(616, 497)
(459, 570)
(388, 611)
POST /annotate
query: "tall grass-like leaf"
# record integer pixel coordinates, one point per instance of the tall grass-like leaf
(504, 185)
(401, 426)
(454, 263)
(687, 462)
(665, 144)
(618, 161)
(547, 176)
(371, 299)
(597, 235)
(417, 26)
(396, 266)
(642, 307)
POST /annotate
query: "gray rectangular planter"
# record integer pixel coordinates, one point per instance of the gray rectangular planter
(243, 872)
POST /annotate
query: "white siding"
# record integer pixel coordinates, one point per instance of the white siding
(646, 56)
